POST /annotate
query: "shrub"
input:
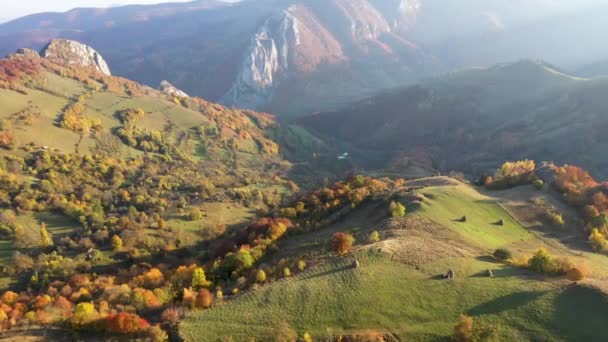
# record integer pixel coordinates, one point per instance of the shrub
(538, 184)
(199, 279)
(542, 261)
(374, 236)
(342, 242)
(126, 323)
(170, 315)
(463, 331)
(597, 240)
(84, 313)
(556, 218)
(284, 333)
(204, 299)
(502, 254)
(195, 214)
(301, 265)
(397, 210)
(260, 276)
(46, 240)
(286, 272)
(576, 274)
(117, 243)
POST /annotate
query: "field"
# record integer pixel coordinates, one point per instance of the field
(402, 293)
(389, 297)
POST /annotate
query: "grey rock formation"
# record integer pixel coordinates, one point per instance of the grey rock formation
(75, 53)
(266, 62)
(28, 53)
(170, 89)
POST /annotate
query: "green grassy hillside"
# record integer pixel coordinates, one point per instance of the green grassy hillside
(398, 290)
(388, 297)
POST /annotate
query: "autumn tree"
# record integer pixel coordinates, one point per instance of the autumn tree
(260, 276)
(463, 331)
(284, 333)
(117, 243)
(84, 313)
(342, 242)
(374, 236)
(577, 274)
(199, 279)
(597, 240)
(45, 237)
(397, 210)
(195, 214)
(541, 261)
(204, 298)
(126, 323)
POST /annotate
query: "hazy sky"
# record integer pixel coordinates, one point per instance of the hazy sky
(10, 9)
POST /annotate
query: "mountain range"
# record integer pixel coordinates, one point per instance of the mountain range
(471, 119)
(293, 57)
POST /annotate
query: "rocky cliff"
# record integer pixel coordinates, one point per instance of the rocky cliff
(265, 62)
(74, 53)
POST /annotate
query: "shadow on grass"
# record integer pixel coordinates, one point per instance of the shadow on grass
(581, 314)
(329, 272)
(509, 302)
(488, 259)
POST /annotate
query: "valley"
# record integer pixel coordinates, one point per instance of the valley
(301, 171)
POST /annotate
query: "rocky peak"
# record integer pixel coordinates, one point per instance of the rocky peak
(170, 89)
(267, 59)
(75, 53)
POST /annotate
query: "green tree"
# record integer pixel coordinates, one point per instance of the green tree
(238, 261)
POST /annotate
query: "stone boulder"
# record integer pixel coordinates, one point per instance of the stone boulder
(170, 89)
(75, 53)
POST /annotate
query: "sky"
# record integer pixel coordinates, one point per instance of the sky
(11, 9)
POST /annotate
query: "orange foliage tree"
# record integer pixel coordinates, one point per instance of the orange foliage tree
(342, 242)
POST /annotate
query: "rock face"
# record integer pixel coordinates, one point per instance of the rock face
(267, 58)
(75, 53)
(28, 52)
(170, 89)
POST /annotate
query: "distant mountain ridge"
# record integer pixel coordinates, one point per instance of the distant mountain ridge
(293, 57)
(473, 119)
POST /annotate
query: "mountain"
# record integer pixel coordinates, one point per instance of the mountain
(70, 97)
(253, 54)
(474, 118)
(293, 57)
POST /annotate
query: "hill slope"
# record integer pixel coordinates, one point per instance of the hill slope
(473, 119)
(293, 57)
(249, 54)
(396, 292)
